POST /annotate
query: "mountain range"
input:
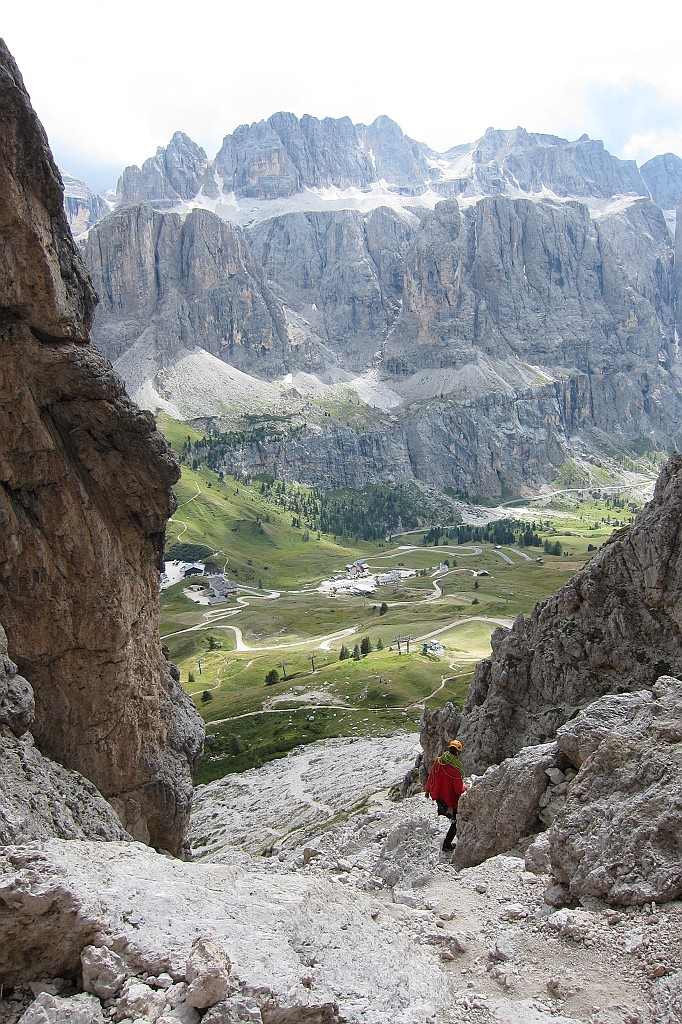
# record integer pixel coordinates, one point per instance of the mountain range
(497, 309)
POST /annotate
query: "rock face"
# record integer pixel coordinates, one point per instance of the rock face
(531, 162)
(612, 784)
(663, 177)
(342, 270)
(285, 155)
(84, 499)
(619, 834)
(39, 798)
(544, 283)
(614, 627)
(173, 174)
(529, 313)
(436, 729)
(503, 806)
(82, 206)
(203, 935)
(193, 281)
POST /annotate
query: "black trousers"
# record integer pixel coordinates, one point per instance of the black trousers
(451, 832)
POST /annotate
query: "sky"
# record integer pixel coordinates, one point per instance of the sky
(112, 82)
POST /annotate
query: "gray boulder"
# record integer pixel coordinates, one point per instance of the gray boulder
(51, 1009)
(619, 834)
(580, 737)
(503, 806)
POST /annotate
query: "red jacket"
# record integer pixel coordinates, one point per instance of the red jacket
(445, 783)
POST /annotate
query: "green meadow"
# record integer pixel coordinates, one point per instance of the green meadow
(281, 621)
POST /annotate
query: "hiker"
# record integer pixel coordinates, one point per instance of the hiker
(445, 785)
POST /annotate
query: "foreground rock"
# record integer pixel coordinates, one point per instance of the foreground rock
(215, 932)
(610, 791)
(614, 627)
(360, 918)
(619, 834)
(38, 797)
(85, 494)
(503, 806)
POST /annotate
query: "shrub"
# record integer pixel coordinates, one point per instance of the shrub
(206, 696)
(272, 677)
(383, 609)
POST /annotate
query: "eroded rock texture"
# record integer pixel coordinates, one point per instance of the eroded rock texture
(610, 791)
(39, 798)
(85, 493)
(279, 939)
(503, 806)
(619, 833)
(193, 281)
(616, 626)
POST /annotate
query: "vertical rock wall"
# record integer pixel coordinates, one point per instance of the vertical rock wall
(616, 626)
(85, 493)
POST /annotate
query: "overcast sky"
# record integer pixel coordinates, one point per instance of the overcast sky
(112, 82)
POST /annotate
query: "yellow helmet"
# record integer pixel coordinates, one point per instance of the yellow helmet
(456, 744)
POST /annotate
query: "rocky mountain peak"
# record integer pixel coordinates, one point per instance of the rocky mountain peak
(663, 177)
(177, 172)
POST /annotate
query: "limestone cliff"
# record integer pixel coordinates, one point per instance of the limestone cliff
(614, 627)
(85, 493)
(663, 176)
(174, 173)
(170, 285)
(82, 206)
(39, 798)
(509, 330)
(342, 270)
